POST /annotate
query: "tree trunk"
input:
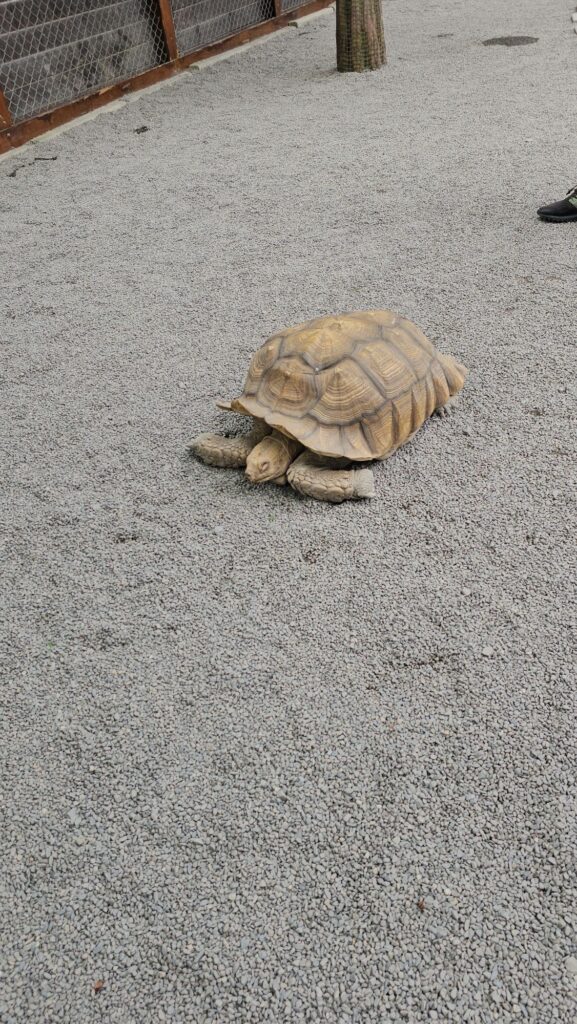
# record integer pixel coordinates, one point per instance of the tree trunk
(360, 35)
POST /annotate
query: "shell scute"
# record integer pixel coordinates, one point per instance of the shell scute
(390, 374)
(420, 404)
(263, 359)
(319, 347)
(403, 417)
(345, 392)
(431, 397)
(442, 392)
(410, 352)
(379, 430)
(355, 443)
(289, 386)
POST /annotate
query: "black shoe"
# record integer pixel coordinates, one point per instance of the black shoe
(561, 211)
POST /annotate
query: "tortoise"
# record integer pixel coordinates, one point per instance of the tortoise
(331, 393)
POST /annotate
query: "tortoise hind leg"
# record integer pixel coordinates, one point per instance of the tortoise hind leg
(324, 480)
(228, 452)
(442, 411)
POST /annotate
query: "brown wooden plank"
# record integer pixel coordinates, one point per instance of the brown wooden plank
(278, 8)
(5, 119)
(17, 135)
(168, 28)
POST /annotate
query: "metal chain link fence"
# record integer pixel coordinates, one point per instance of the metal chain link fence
(201, 22)
(53, 52)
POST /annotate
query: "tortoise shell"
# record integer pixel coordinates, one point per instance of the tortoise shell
(354, 386)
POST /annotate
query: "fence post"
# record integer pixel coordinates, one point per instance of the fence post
(5, 119)
(277, 8)
(168, 28)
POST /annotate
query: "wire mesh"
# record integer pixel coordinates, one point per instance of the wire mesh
(54, 51)
(360, 36)
(200, 22)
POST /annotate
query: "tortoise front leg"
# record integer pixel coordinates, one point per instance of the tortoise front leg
(318, 478)
(228, 452)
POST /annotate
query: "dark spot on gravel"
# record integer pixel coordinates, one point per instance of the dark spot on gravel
(433, 659)
(125, 536)
(63, 519)
(103, 639)
(511, 41)
(412, 506)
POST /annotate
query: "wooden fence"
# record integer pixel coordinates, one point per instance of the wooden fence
(63, 58)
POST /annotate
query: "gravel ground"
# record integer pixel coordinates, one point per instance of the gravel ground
(266, 760)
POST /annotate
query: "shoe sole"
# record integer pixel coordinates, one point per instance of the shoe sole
(556, 220)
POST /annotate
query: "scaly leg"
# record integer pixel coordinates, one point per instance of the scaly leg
(325, 480)
(228, 452)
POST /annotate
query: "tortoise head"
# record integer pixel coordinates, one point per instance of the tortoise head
(271, 458)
